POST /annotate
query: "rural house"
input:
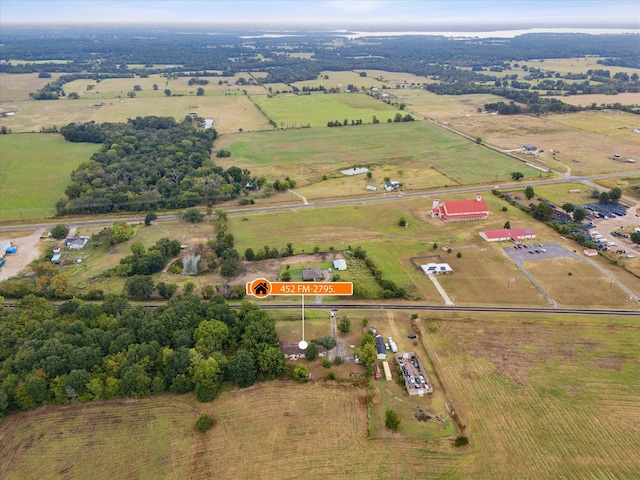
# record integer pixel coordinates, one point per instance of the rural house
(292, 351)
(76, 243)
(312, 274)
(460, 210)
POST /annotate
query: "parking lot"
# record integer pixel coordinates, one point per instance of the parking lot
(537, 251)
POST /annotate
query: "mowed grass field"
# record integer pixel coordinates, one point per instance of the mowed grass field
(542, 397)
(34, 172)
(307, 154)
(317, 109)
(275, 430)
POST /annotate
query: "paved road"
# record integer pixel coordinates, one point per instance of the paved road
(325, 203)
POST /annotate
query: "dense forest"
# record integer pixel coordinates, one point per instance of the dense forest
(89, 351)
(145, 164)
(108, 50)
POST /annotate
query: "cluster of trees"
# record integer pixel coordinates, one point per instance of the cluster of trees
(145, 164)
(44, 280)
(338, 123)
(503, 108)
(88, 351)
(267, 252)
(390, 289)
(148, 262)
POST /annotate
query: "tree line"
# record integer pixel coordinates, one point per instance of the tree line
(100, 351)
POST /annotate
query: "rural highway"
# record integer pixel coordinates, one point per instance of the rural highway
(326, 203)
(381, 307)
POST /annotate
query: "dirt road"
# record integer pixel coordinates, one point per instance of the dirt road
(28, 251)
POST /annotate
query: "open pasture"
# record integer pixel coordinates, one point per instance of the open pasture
(17, 87)
(34, 172)
(443, 108)
(341, 80)
(231, 112)
(307, 154)
(275, 430)
(317, 109)
(625, 98)
(543, 397)
(574, 283)
(585, 137)
(571, 65)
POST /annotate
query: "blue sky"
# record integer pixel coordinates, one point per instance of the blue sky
(434, 14)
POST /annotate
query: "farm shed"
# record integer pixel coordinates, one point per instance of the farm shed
(312, 274)
(530, 148)
(505, 234)
(458, 210)
(340, 264)
(380, 348)
(590, 252)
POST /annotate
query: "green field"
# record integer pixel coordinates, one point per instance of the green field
(34, 171)
(308, 154)
(317, 109)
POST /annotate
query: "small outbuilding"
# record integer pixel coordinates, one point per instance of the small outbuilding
(530, 148)
(380, 348)
(340, 264)
(56, 258)
(590, 252)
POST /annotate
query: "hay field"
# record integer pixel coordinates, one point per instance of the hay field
(543, 398)
(275, 430)
(34, 172)
(307, 154)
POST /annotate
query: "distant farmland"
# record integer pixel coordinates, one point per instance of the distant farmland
(34, 172)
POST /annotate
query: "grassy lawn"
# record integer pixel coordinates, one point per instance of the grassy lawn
(34, 171)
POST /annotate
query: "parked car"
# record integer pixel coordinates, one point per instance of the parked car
(412, 336)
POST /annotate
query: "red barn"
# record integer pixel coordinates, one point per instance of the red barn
(459, 210)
